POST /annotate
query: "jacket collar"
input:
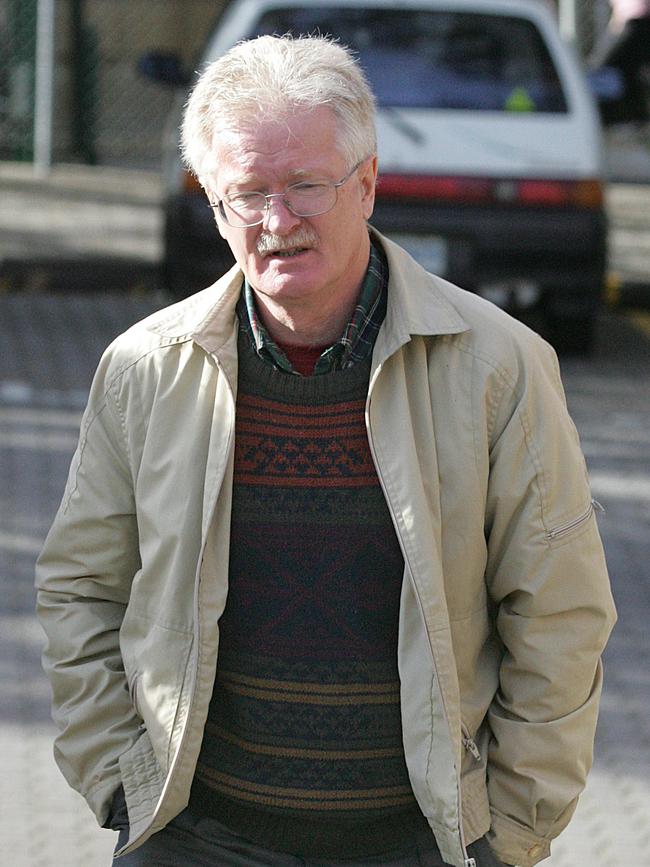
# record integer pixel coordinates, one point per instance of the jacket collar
(417, 304)
(208, 317)
(417, 301)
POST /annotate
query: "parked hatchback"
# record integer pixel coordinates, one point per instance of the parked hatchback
(490, 153)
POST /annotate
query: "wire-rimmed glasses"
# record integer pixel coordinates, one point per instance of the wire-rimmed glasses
(304, 199)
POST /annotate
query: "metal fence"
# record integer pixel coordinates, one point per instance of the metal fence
(17, 68)
(69, 79)
(69, 85)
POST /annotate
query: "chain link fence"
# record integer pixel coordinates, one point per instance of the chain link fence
(17, 66)
(127, 111)
(102, 110)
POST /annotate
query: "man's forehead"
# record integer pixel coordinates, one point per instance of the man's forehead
(298, 143)
(269, 134)
(266, 140)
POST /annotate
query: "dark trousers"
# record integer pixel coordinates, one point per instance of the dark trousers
(190, 841)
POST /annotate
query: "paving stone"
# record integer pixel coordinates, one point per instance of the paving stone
(43, 823)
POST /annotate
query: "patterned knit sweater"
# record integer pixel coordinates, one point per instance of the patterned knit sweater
(302, 751)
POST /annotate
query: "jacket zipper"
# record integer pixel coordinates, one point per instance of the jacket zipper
(469, 743)
(197, 579)
(469, 861)
(564, 529)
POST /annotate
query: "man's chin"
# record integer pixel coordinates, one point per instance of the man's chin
(284, 282)
(275, 269)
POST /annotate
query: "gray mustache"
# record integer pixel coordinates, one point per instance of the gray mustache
(269, 243)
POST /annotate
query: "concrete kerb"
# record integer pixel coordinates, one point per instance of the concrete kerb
(80, 228)
(82, 181)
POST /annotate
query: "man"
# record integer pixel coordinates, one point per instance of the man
(326, 568)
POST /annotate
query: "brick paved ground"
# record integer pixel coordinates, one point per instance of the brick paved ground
(49, 345)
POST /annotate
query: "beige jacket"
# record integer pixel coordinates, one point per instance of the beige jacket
(505, 606)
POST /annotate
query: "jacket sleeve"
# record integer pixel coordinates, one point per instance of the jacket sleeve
(547, 576)
(83, 579)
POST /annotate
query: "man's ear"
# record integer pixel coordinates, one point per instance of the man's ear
(368, 179)
(205, 184)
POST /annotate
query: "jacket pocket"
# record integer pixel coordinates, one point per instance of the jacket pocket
(156, 661)
(568, 528)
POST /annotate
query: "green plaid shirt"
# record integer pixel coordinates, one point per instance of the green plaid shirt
(358, 338)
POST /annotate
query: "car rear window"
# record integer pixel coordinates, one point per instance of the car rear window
(442, 59)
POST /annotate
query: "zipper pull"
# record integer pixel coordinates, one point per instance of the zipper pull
(471, 747)
(598, 506)
(470, 862)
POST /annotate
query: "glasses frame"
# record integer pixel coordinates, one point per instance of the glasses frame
(220, 205)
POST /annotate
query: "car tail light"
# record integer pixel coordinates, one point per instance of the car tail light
(470, 190)
(584, 194)
(449, 188)
(589, 194)
(552, 193)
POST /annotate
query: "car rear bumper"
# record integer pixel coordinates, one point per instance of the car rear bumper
(558, 249)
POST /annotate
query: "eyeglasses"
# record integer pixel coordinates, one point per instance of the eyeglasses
(304, 199)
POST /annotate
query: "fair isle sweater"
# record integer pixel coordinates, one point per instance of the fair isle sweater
(302, 750)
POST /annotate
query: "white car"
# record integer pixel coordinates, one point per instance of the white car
(490, 149)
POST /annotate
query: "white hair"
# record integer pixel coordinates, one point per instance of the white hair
(272, 77)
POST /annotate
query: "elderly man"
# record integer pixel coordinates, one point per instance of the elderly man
(326, 585)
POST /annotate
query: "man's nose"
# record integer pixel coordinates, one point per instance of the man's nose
(278, 219)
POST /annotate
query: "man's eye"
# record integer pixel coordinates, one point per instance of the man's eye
(244, 200)
(308, 188)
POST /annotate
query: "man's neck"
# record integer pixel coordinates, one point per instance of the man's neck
(303, 326)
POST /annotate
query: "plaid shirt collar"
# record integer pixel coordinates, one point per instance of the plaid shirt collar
(358, 338)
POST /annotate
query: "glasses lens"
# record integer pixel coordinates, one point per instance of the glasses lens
(308, 200)
(244, 209)
(303, 199)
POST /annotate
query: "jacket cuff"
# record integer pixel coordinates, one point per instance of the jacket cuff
(514, 844)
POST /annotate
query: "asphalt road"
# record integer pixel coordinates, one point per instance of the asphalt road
(50, 345)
